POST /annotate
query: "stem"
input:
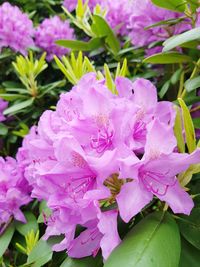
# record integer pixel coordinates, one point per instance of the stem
(195, 109)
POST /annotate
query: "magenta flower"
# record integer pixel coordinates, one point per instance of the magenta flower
(98, 149)
(3, 106)
(51, 30)
(118, 14)
(71, 4)
(140, 19)
(16, 29)
(156, 175)
(14, 191)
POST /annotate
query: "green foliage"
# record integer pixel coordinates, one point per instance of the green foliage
(175, 5)
(181, 39)
(190, 227)
(85, 262)
(74, 68)
(167, 58)
(189, 127)
(5, 238)
(158, 232)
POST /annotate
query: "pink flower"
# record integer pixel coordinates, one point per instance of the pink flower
(51, 30)
(71, 4)
(155, 174)
(16, 29)
(14, 191)
(140, 19)
(100, 150)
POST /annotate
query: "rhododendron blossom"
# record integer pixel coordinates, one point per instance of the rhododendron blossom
(16, 29)
(99, 150)
(140, 19)
(71, 4)
(51, 30)
(14, 191)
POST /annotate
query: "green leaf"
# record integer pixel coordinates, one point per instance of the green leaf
(40, 255)
(190, 256)
(42, 252)
(11, 97)
(189, 127)
(165, 22)
(167, 58)
(3, 129)
(31, 224)
(5, 238)
(18, 107)
(164, 89)
(180, 39)
(85, 262)
(178, 131)
(101, 28)
(155, 241)
(190, 227)
(175, 5)
(44, 211)
(196, 122)
(176, 76)
(192, 84)
(93, 44)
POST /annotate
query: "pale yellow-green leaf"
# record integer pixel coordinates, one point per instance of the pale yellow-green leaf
(178, 131)
(188, 126)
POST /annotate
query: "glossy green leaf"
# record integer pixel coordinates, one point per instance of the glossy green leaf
(5, 238)
(175, 5)
(176, 76)
(31, 224)
(11, 97)
(80, 45)
(41, 254)
(164, 89)
(190, 227)
(192, 84)
(180, 39)
(189, 127)
(167, 58)
(84, 262)
(155, 241)
(101, 28)
(18, 107)
(190, 256)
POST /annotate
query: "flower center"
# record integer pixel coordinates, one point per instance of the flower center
(103, 140)
(157, 183)
(139, 131)
(114, 184)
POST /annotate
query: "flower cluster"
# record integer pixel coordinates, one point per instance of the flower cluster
(71, 4)
(16, 29)
(118, 14)
(3, 106)
(14, 191)
(51, 30)
(140, 19)
(99, 156)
